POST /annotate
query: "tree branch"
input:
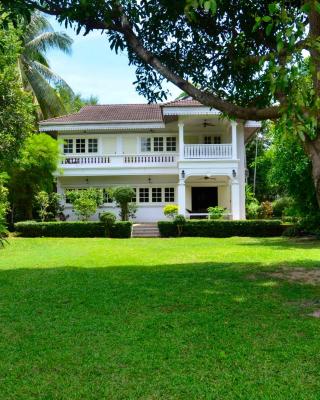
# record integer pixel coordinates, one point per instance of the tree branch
(204, 97)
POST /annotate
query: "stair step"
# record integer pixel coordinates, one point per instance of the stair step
(145, 230)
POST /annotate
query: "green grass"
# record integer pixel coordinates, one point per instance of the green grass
(157, 319)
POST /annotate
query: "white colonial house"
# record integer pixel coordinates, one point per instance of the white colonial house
(179, 152)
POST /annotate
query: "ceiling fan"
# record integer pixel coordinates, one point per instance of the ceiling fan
(209, 177)
(205, 124)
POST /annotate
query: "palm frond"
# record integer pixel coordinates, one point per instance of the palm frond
(49, 40)
(38, 24)
(48, 100)
(50, 76)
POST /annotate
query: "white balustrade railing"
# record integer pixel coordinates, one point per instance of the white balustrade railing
(85, 160)
(120, 160)
(213, 151)
(155, 159)
(191, 151)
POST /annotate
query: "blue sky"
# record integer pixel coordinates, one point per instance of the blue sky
(93, 69)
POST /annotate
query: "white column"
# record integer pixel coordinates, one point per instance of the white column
(235, 199)
(181, 140)
(234, 140)
(119, 148)
(182, 197)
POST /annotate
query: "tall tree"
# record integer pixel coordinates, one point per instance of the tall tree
(32, 172)
(242, 57)
(16, 109)
(37, 76)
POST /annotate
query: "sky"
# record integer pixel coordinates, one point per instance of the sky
(93, 69)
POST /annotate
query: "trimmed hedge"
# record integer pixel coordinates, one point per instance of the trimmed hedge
(220, 229)
(71, 229)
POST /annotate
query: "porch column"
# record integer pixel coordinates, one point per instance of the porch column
(182, 197)
(181, 140)
(234, 140)
(235, 199)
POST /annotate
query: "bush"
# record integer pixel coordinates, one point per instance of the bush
(72, 229)
(280, 206)
(252, 210)
(123, 197)
(216, 212)
(171, 211)
(215, 228)
(265, 210)
(108, 219)
(179, 222)
(85, 202)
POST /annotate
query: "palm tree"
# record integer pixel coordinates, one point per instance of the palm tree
(36, 74)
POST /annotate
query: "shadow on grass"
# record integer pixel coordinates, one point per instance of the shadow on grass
(170, 331)
(284, 243)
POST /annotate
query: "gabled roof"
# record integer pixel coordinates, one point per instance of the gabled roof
(184, 102)
(111, 113)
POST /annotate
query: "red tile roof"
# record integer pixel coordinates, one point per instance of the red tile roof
(113, 113)
(117, 113)
(186, 102)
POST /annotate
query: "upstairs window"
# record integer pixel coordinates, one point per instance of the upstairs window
(68, 146)
(158, 144)
(92, 145)
(171, 143)
(217, 140)
(207, 140)
(145, 144)
(80, 145)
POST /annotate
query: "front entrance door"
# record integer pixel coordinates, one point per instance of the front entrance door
(204, 197)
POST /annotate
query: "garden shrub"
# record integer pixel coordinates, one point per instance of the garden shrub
(72, 229)
(280, 206)
(265, 210)
(223, 228)
(216, 212)
(179, 222)
(108, 219)
(171, 210)
(85, 202)
(123, 197)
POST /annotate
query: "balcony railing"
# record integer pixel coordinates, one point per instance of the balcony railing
(116, 160)
(191, 151)
(85, 160)
(204, 151)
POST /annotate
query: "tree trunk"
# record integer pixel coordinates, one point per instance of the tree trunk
(313, 149)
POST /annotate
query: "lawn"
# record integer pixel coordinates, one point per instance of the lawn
(188, 318)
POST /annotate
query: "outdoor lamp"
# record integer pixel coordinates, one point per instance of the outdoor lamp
(234, 174)
(183, 174)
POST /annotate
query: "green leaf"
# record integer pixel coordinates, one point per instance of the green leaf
(266, 18)
(269, 28)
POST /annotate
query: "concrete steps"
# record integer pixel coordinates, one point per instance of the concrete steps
(145, 230)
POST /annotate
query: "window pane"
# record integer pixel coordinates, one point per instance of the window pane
(106, 197)
(171, 143)
(158, 144)
(217, 140)
(80, 145)
(144, 195)
(68, 146)
(92, 145)
(207, 140)
(156, 195)
(145, 144)
(169, 195)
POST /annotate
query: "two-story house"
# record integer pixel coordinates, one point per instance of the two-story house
(179, 152)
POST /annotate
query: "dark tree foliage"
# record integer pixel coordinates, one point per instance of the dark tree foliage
(242, 57)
